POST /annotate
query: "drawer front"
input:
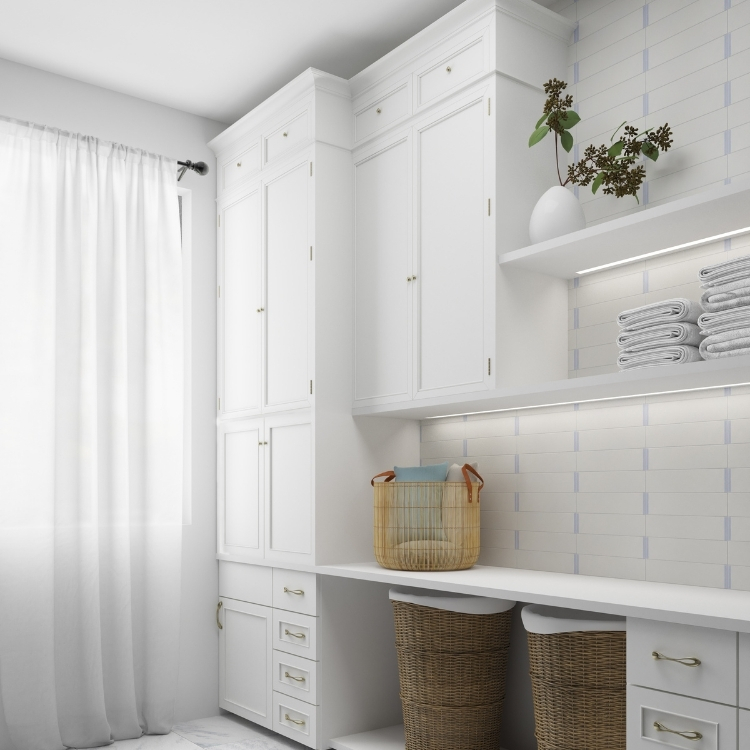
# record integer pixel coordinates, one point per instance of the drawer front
(383, 112)
(246, 583)
(744, 667)
(715, 678)
(295, 719)
(238, 168)
(295, 676)
(293, 133)
(295, 591)
(295, 634)
(656, 719)
(452, 71)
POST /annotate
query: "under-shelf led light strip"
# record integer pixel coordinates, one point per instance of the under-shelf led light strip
(685, 245)
(587, 401)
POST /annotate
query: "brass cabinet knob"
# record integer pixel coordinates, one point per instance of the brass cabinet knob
(239, 163)
(449, 69)
(378, 110)
(285, 134)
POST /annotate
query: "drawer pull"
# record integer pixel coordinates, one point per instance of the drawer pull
(292, 677)
(294, 635)
(287, 717)
(686, 661)
(218, 609)
(685, 735)
(298, 592)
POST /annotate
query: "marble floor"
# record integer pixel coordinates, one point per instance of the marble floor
(217, 733)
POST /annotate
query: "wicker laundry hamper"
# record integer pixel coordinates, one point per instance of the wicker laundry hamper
(427, 525)
(577, 662)
(452, 660)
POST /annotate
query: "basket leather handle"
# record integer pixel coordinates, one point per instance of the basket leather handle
(465, 469)
(389, 475)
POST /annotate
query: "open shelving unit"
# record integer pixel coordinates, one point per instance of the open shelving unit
(688, 220)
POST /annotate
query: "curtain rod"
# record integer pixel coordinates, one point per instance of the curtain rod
(199, 166)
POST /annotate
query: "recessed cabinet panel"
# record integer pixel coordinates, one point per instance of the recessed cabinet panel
(240, 517)
(241, 296)
(245, 660)
(382, 274)
(287, 269)
(452, 212)
(289, 486)
(384, 112)
(240, 167)
(291, 134)
(451, 72)
(744, 671)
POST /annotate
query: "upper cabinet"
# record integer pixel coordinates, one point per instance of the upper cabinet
(443, 182)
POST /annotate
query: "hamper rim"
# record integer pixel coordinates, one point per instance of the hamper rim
(447, 601)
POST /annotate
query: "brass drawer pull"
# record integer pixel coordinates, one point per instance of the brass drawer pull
(287, 717)
(686, 661)
(292, 677)
(218, 609)
(685, 735)
(294, 635)
(298, 592)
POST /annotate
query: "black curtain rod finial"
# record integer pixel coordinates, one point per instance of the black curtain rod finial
(200, 167)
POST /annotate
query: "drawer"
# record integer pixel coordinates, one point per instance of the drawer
(295, 719)
(289, 135)
(295, 591)
(744, 667)
(295, 634)
(451, 71)
(715, 678)
(238, 168)
(295, 676)
(389, 109)
(716, 724)
(247, 583)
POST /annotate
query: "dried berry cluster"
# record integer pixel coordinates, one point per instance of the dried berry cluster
(615, 167)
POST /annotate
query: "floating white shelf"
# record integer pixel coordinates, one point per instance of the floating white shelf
(705, 214)
(389, 738)
(646, 381)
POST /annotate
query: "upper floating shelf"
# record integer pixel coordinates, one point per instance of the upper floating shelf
(706, 214)
(649, 380)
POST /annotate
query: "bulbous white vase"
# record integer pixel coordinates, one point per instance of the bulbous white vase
(557, 212)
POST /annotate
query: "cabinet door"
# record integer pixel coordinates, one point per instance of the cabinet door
(453, 309)
(382, 274)
(287, 288)
(240, 482)
(289, 487)
(246, 660)
(240, 299)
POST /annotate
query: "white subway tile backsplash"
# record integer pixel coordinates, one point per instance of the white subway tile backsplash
(612, 481)
(612, 567)
(625, 459)
(688, 457)
(550, 442)
(687, 503)
(546, 542)
(688, 410)
(546, 462)
(613, 438)
(442, 449)
(610, 502)
(688, 550)
(685, 527)
(555, 562)
(612, 524)
(697, 433)
(547, 502)
(610, 545)
(688, 573)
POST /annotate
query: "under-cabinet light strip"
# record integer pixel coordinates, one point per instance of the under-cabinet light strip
(587, 400)
(673, 249)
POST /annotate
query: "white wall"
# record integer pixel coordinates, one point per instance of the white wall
(44, 98)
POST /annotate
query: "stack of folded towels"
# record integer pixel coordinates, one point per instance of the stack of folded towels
(662, 333)
(726, 301)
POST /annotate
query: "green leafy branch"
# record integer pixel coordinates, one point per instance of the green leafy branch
(615, 167)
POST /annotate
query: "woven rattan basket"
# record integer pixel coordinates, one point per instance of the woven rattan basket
(427, 525)
(578, 681)
(452, 672)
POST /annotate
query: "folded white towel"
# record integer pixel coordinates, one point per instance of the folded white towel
(677, 310)
(728, 270)
(727, 344)
(727, 320)
(667, 355)
(656, 336)
(729, 296)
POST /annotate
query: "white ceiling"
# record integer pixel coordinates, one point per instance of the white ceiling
(216, 58)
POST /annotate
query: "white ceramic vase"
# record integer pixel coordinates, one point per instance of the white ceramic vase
(557, 212)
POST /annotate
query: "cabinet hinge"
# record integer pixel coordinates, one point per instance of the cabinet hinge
(488, 105)
(310, 252)
(219, 404)
(219, 291)
(310, 169)
(218, 220)
(311, 386)
(489, 366)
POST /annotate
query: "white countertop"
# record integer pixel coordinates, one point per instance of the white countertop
(690, 605)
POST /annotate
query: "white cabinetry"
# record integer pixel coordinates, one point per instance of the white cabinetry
(440, 189)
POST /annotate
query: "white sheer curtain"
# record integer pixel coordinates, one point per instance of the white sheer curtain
(91, 440)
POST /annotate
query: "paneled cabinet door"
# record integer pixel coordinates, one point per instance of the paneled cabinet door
(240, 301)
(288, 273)
(382, 275)
(246, 660)
(240, 483)
(289, 487)
(455, 258)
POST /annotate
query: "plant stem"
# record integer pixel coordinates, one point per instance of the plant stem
(557, 162)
